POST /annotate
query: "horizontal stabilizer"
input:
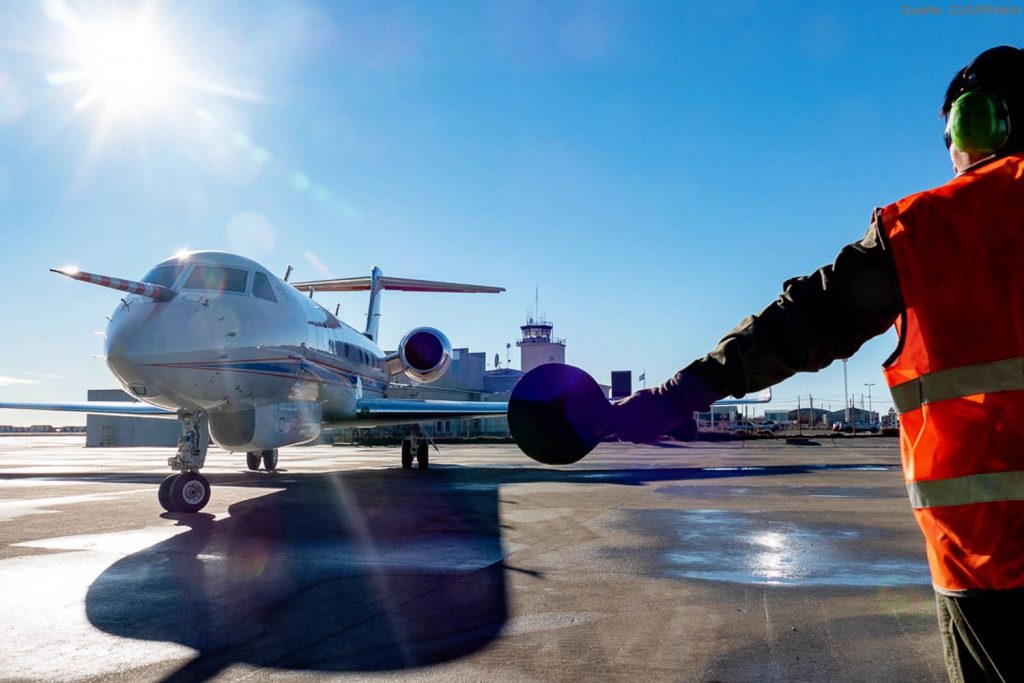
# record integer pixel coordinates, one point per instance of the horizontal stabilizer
(359, 284)
(154, 292)
(94, 407)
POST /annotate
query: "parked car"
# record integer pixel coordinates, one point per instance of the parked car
(858, 425)
(769, 426)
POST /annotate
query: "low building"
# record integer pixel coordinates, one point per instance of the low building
(818, 417)
(105, 431)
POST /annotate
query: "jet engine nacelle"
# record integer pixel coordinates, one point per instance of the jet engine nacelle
(266, 427)
(424, 355)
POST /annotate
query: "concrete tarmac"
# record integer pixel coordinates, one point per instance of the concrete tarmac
(686, 562)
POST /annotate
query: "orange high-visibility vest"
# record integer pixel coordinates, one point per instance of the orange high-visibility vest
(957, 379)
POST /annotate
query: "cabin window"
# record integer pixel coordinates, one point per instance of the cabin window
(217, 278)
(261, 288)
(163, 276)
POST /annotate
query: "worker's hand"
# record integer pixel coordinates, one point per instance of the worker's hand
(647, 415)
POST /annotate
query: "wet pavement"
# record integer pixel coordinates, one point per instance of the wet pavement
(690, 562)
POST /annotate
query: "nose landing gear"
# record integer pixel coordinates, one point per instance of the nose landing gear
(188, 491)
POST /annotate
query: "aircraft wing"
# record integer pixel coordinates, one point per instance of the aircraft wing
(95, 407)
(762, 396)
(408, 411)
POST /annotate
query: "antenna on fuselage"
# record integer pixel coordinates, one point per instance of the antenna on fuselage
(337, 310)
(287, 273)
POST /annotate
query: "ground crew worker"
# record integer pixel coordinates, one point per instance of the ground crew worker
(946, 266)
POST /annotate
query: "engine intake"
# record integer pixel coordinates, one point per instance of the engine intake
(424, 355)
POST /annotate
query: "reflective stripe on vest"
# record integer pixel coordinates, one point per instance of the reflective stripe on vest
(968, 380)
(975, 488)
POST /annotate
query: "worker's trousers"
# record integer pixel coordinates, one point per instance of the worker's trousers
(983, 636)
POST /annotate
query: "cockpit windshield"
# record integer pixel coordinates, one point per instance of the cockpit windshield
(217, 278)
(163, 275)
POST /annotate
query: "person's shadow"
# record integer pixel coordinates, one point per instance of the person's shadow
(357, 571)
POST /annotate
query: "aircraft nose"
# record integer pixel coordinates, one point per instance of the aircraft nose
(122, 346)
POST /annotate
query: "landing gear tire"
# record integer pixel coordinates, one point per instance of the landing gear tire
(406, 454)
(252, 460)
(163, 494)
(423, 454)
(270, 460)
(190, 492)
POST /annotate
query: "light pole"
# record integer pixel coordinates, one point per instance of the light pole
(846, 393)
(869, 385)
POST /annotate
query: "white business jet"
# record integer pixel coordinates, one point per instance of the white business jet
(211, 338)
(214, 338)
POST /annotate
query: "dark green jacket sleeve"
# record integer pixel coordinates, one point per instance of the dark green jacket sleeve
(817, 319)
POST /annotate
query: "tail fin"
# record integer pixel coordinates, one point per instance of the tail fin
(377, 283)
(373, 312)
(154, 292)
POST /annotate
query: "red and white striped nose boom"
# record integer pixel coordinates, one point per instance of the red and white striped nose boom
(154, 292)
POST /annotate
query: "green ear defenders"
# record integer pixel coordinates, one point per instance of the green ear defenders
(979, 123)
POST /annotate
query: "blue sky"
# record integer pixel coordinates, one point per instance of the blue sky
(656, 169)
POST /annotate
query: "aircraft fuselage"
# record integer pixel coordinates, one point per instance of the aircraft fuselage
(236, 341)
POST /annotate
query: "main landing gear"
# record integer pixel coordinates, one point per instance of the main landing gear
(188, 491)
(269, 459)
(419, 446)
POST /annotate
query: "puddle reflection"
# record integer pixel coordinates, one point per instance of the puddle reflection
(744, 547)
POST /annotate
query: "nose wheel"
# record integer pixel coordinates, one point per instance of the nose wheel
(186, 492)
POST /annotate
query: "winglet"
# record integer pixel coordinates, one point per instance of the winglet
(154, 292)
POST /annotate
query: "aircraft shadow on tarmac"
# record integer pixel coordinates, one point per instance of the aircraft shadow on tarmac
(356, 571)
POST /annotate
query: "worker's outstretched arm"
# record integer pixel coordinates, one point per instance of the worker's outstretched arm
(817, 319)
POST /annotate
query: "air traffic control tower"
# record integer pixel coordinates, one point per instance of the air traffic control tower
(538, 347)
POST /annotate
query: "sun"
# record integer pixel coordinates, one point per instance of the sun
(124, 65)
